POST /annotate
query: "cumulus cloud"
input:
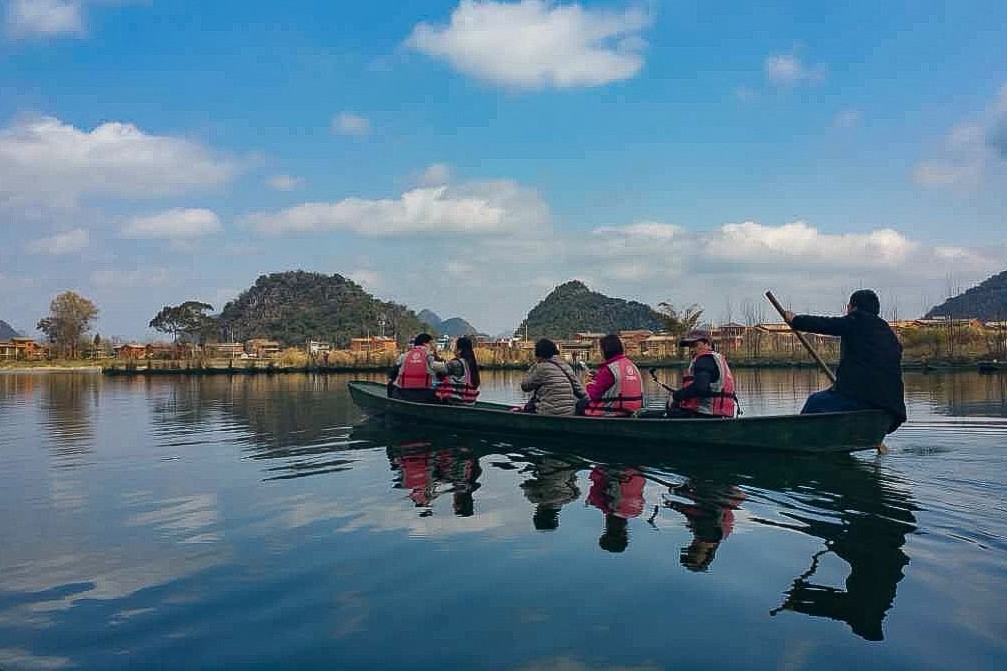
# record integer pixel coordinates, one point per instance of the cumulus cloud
(472, 208)
(44, 160)
(969, 151)
(66, 242)
(284, 182)
(174, 224)
(787, 70)
(44, 18)
(849, 117)
(534, 44)
(348, 123)
(436, 174)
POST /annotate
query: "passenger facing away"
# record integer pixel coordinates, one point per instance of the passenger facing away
(870, 360)
(708, 384)
(412, 376)
(616, 390)
(554, 386)
(458, 378)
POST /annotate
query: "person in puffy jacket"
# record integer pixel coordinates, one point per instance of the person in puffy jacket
(555, 387)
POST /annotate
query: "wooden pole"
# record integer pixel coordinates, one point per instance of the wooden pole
(800, 336)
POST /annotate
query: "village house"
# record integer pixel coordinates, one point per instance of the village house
(21, 349)
(262, 348)
(374, 345)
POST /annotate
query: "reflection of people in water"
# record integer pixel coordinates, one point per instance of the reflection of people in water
(617, 492)
(868, 535)
(420, 470)
(552, 485)
(709, 511)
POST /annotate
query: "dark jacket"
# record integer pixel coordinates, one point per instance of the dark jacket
(870, 360)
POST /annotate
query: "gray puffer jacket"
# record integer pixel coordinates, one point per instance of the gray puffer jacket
(556, 387)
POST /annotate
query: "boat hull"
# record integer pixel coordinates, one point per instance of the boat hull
(824, 432)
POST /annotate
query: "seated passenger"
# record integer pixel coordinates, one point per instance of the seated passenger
(616, 390)
(708, 384)
(412, 376)
(554, 385)
(458, 379)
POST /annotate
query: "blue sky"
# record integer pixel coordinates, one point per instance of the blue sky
(467, 157)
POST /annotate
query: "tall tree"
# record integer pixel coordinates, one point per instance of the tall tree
(70, 317)
(676, 321)
(188, 320)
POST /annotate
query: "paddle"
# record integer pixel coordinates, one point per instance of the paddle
(653, 375)
(800, 336)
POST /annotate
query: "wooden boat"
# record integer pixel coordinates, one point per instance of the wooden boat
(824, 432)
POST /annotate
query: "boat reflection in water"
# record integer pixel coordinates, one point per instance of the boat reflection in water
(860, 511)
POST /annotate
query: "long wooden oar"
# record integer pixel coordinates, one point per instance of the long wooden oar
(800, 336)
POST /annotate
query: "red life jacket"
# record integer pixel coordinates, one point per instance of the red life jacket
(414, 372)
(722, 402)
(458, 388)
(624, 397)
(619, 492)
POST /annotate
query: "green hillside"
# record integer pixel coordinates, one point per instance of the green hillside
(295, 306)
(986, 301)
(572, 307)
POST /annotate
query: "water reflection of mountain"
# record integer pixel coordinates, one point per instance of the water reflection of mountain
(861, 513)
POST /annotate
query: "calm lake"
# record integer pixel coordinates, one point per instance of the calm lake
(215, 522)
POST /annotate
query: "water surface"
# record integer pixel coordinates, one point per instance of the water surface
(261, 522)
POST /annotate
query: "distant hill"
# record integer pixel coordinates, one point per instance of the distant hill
(986, 301)
(7, 331)
(454, 327)
(295, 306)
(572, 307)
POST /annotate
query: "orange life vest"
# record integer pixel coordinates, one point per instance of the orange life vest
(414, 372)
(624, 397)
(722, 402)
(458, 388)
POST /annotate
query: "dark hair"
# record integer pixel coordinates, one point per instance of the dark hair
(610, 346)
(465, 351)
(866, 300)
(545, 348)
(422, 339)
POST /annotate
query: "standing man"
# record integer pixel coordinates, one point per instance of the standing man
(870, 360)
(708, 384)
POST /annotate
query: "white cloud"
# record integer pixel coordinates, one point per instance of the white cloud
(44, 18)
(284, 182)
(969, 152)
(44, 160)
(436, 174)
(800, 243)
(472, 208)
(347, 123)
(66, 242)
(536, 44)
(787, 70)
(141, 277)
(849, 117)
(174, 224)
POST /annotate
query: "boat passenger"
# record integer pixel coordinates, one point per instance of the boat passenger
(616, 389)
(870, 360)
(554, 386)
(617, 492)
(458, 378)
(708, 385)
(412, 376)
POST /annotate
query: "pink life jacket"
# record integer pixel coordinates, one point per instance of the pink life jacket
(624, 397)
(458, 388)
(414, 372)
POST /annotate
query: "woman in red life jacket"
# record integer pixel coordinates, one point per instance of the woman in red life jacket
(616, 390)
(458, 379)
(412, 376)
(708, 384)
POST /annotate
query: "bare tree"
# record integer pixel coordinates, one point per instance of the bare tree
(70, 317)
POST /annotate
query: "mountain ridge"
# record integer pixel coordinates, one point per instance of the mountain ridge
(572, 307)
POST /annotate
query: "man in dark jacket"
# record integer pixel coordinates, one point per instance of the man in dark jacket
(870, 360)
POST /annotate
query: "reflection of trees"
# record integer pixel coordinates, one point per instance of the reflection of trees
(961, 394)
(66, 400)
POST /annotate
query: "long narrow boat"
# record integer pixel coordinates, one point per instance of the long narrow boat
(824, 432)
